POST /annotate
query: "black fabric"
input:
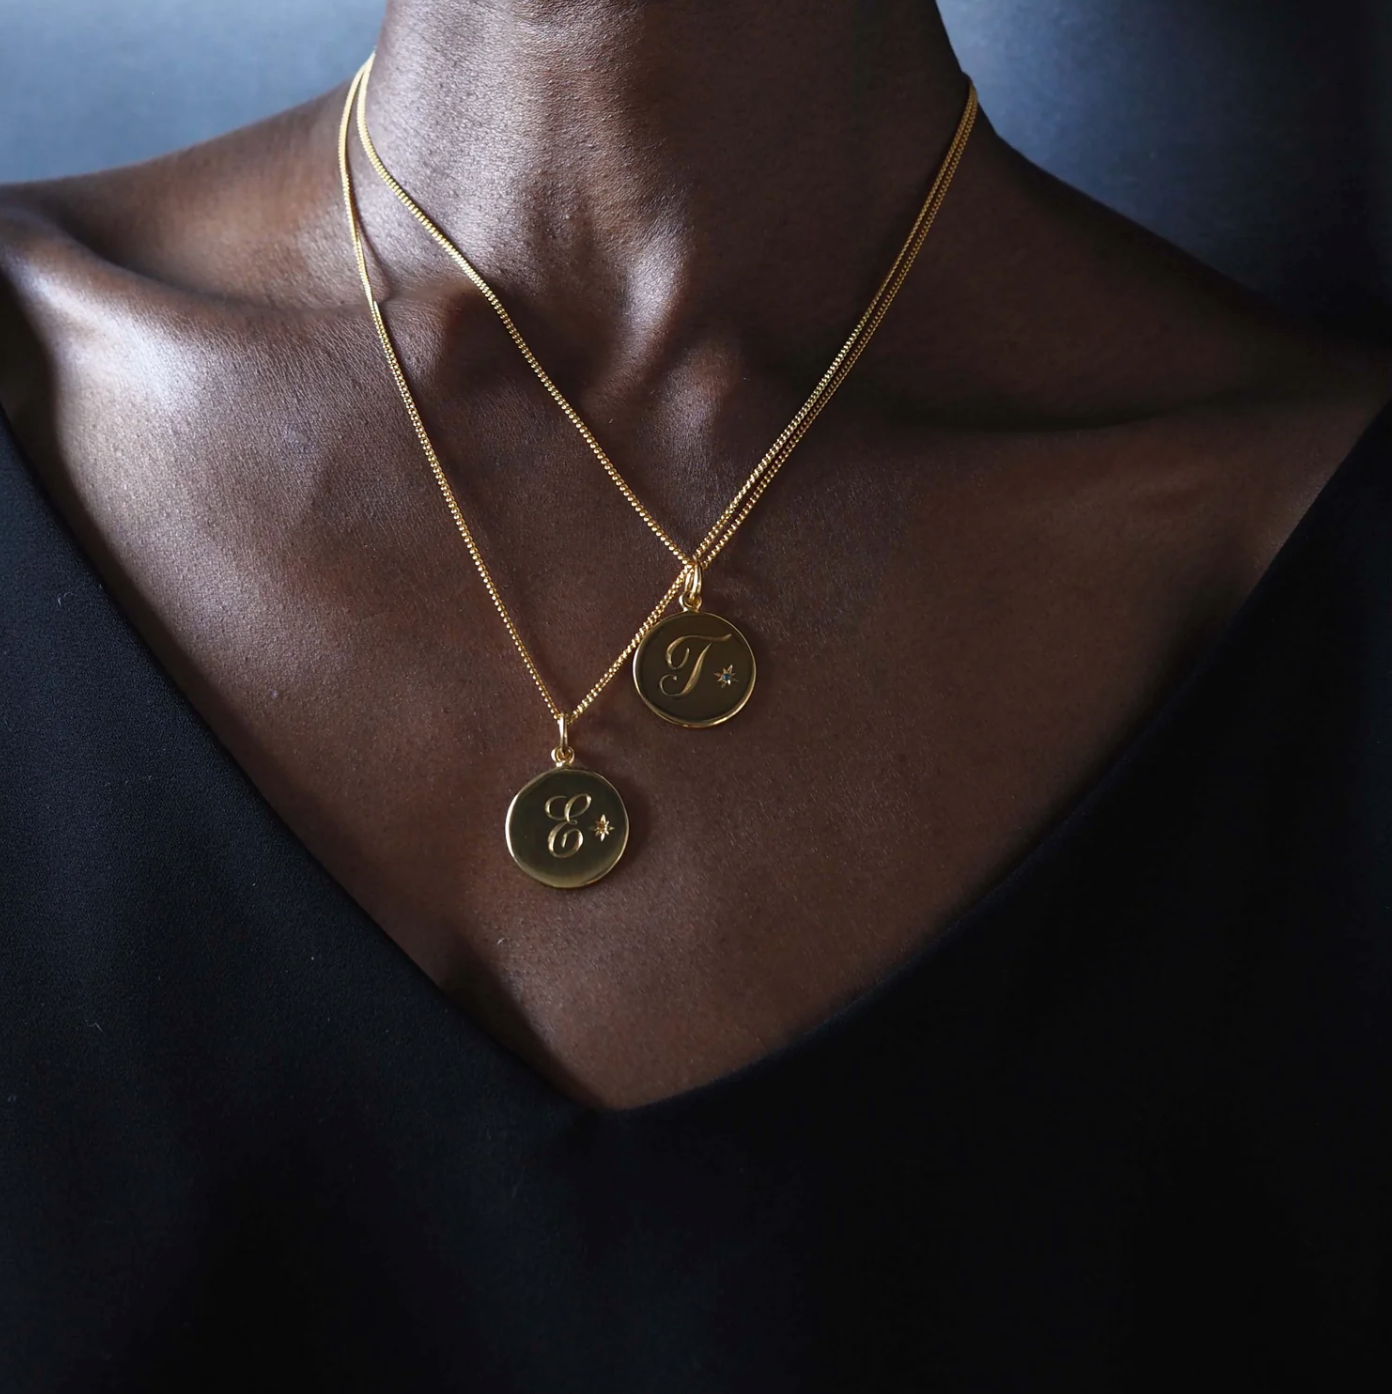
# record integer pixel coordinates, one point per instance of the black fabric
(1125, 1127)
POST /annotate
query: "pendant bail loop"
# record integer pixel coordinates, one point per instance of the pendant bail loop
(563, 755)
(691, 591)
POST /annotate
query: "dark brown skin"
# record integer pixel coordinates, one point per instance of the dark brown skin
(1062, 467)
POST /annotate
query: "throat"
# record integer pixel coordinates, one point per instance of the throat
(631, 166)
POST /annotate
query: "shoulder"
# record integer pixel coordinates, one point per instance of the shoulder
(1270, 451)
(30, 248)
(235, 217)
(93, 266)
(1315, 417)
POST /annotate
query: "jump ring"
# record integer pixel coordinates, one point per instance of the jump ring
(691, 591)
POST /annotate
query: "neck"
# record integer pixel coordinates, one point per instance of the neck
(636, 164)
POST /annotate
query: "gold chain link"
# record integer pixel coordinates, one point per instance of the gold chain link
(749, 493)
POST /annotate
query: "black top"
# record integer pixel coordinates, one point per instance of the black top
(1127, 1126)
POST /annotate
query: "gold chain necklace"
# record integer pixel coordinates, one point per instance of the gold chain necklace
(568, 826)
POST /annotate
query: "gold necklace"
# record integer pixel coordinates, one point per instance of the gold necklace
(568, 826)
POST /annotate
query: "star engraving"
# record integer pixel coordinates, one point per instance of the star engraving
(603, 828)
(726, 676)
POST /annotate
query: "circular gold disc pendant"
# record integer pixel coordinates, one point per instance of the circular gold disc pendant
(694, 669)
(567, 827)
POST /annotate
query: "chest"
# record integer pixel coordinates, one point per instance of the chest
(953, 638)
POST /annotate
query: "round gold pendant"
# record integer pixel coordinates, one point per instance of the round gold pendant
(694, 669)
(567, 827)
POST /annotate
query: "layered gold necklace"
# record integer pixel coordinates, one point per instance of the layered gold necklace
(568, 826)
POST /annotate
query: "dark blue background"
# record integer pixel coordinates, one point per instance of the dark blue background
(1256, 133)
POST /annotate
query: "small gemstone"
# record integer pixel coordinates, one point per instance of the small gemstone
(603, 828)
(726, 676)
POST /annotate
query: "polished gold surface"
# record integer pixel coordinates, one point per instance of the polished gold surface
(694, 669)
(567, 827)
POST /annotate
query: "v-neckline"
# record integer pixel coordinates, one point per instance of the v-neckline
(1333, 497)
